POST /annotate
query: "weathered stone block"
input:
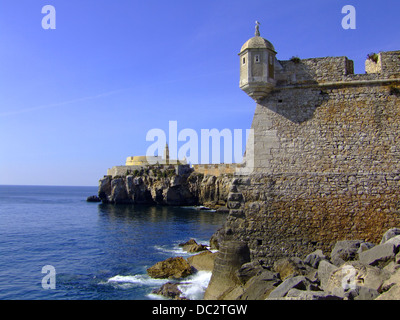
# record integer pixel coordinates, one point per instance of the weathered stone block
(392, 294)
(379, 255)
(390, 234)
(299, 282)
(287, 267)
(313, 259)
(345, 250)
(259, 287)
(325, 269)
(311, 295)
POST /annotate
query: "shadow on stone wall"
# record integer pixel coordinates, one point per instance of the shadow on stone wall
(297, 95)
(296, 104)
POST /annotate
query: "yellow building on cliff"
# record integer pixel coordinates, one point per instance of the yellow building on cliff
(151, 160)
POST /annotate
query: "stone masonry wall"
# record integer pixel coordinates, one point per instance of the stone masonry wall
(326, 160)
(314, 70)
(216, 169)
(348, 129)
(293, 214)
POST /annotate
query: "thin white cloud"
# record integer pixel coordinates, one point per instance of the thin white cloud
(163, 82)
(59, 104)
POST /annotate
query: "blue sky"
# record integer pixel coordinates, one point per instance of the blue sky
(79, 99)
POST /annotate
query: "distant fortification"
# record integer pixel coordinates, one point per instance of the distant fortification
(324, 161)
(135, 164)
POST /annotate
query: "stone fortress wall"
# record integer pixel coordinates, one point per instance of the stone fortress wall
(326, 160)
(217, 169)
(322, 118)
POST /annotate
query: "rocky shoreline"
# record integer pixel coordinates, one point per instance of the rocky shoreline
(177, 269)
(346, 270)
(161, 186)
(353, 270)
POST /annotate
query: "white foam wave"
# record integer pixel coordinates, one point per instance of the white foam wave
(195, 286)
(154, 296)
(139, 279)
(176, 250)
(198, 208)
(192, 288)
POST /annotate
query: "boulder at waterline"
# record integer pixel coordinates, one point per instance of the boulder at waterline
(93, 199)
(171, 268)
(169, 290)
(192, 246)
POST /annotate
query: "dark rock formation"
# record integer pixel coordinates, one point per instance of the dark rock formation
(169, 290)
(93, 199)
(192, 246)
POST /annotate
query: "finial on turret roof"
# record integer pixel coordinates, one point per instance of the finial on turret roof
(257, 33)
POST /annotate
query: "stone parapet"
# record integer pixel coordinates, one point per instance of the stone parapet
(313, 71)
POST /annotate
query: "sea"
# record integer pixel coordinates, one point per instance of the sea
(54, 245)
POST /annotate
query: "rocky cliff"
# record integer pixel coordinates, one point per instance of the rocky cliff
(163, 186)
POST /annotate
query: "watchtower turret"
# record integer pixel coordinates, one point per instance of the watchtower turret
(257, 71)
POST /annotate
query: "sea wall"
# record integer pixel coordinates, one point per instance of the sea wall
(292, 215)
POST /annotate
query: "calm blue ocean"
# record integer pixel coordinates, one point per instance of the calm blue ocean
(98, 251)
